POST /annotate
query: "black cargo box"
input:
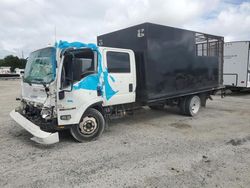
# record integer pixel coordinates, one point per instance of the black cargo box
(170, 62)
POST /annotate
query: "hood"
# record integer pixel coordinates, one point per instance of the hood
(34, 92)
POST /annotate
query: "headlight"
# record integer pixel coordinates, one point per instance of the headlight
(22, 107)
(46, 113)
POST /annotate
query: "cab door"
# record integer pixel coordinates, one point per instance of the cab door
(76, 84)
(121, 76)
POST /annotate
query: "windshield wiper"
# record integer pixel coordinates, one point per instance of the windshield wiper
(46, 88)
(38, 79)
(27, 81)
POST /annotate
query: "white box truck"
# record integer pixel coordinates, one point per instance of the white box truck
(236, 74)
(79, 86)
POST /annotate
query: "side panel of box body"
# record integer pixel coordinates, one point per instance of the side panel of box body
(133, 38)
(173, 67)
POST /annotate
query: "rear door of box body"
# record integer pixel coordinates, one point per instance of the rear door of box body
(236, 64)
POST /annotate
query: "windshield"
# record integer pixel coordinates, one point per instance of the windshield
(40, 67)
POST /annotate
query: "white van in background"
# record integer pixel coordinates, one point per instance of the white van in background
(19, 71)
(236, 73)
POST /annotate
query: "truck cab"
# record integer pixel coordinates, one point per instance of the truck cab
(72, 86)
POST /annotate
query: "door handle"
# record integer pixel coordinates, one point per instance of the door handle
(99, 91)
(130, 87)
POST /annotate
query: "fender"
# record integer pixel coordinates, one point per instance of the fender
(76, 113)
(98, 106)
(96, 102)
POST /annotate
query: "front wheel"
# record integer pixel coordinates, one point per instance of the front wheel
(91, 126)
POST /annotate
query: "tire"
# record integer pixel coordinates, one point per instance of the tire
(157, 107)
(90, 127)
(203, 98)
(182, 106)
(192, 105)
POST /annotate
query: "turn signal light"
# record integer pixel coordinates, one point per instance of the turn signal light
(65, 117)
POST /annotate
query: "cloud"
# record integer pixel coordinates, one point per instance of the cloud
(233, 22)
(26, 25)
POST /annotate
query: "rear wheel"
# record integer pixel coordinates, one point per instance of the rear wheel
(192, 105)
(182, 106)
(91, 126)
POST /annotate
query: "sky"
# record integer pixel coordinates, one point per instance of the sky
(27, 25)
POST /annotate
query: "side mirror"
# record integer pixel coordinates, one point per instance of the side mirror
(61, 94)
(69, 82)
(76, 68)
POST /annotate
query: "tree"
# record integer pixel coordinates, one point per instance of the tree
(13, 62)
(1, 62)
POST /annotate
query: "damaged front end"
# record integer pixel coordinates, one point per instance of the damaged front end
(36, 112)
(38, 120)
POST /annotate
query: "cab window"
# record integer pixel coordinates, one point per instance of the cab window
(77, 65)
(118, 62)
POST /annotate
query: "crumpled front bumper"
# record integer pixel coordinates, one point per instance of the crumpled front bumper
(40, 136)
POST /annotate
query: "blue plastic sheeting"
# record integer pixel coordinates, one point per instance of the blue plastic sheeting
(109, 92)
(103, 73)
(108, 89)
(112, 78)
(65, 44)
(91, 82)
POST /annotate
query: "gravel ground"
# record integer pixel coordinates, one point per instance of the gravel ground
(148, 149)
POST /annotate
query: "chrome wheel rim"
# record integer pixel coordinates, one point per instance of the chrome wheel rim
(195, 105)
(88, 125)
